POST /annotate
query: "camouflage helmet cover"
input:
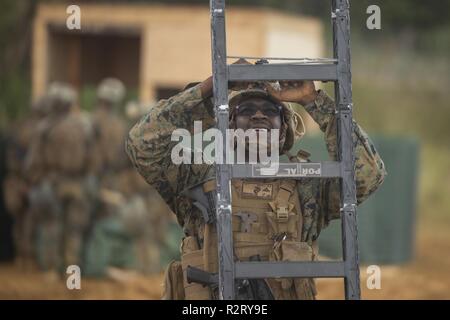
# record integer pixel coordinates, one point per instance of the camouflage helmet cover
(111, 90)
(42, 105)
(60, 93)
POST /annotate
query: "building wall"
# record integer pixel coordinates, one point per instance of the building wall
(291, 36)
(175, 41)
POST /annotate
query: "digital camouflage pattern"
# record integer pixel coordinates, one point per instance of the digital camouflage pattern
(111, 90)
(110, 133)
(129, 221)
(149, 147)
(110, 130)
(17, 184)
(59, 165)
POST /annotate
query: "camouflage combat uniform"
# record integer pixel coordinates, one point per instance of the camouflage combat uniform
(60, 164)
(110, 132)
(17, 183)
(149, 146)
(124, 228)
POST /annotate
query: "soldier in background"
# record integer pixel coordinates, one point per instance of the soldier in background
(126, 234)
(110, 130)
(59, 164)
(16, 184)
(110, 244)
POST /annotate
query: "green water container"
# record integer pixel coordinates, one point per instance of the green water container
(386, 220)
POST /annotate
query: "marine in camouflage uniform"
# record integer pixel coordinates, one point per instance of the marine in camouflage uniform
(110, 162)
(16, 184)
(110, 131)
(123, 223)
(272, 219)
(60, 164)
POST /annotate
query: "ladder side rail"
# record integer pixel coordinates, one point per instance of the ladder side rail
(223, 171)
(343, 97)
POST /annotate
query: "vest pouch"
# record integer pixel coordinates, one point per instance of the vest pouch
(305, 288)
(192, 256)
(173, 282)
(293, 288)
(247, 245)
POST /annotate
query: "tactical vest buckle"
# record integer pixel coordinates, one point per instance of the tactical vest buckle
(282, 213)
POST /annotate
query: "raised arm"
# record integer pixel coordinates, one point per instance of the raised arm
(149, 142)
(369, 167)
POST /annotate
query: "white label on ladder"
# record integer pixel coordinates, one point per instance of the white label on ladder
(288, 170)
(269, 171)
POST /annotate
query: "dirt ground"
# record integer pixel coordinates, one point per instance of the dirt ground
(425, 278)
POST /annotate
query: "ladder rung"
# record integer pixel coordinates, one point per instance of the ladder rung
(289, 269)
(324, 169)
(318, 72)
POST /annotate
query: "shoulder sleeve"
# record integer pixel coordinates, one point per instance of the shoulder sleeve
(369, 167)
(149, 144)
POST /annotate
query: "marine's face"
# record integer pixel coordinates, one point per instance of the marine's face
(258, 113)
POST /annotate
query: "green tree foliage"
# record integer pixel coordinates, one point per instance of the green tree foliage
(15, 40)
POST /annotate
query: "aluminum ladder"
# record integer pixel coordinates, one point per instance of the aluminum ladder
(337, 71)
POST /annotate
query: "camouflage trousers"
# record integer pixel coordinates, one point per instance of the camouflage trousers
(17, 204)
(63, 219)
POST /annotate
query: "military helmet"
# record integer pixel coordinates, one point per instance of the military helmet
(111, 90)
(61, 94)
(42, 105)
(293, 127)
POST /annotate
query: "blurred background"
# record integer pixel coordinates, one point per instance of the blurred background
(130, 54)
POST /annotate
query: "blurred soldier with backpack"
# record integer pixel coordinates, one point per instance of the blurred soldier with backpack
(60, 165)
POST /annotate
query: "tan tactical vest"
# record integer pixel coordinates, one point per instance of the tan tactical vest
(66, 146)
(111, 133)
(267, 221)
